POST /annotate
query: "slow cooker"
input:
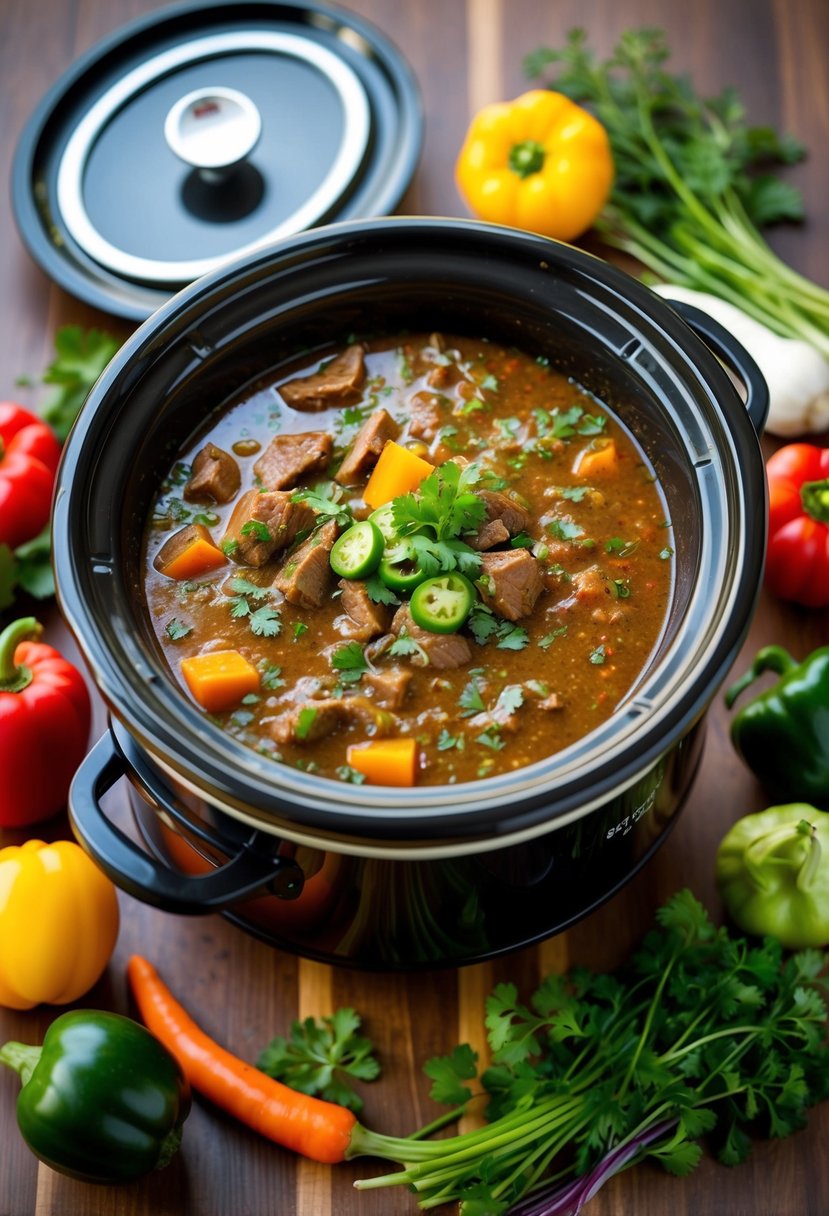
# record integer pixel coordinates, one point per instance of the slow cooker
(372, 876)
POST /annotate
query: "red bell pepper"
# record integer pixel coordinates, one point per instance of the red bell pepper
(44, 726)
(29, 454)
(797, 560)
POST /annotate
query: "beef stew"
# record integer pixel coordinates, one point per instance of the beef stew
(442, 560)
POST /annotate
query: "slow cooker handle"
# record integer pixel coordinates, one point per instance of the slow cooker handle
(250, 872)
(732, 353)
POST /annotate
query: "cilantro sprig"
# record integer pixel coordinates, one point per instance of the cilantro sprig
(703, 1032)
(320, 1056)
(430, 520)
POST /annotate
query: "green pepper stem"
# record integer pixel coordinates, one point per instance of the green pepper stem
(12, 677)
(22, 1057)
(770, 658)
(808, 872)
(814, 495)
(763, 847)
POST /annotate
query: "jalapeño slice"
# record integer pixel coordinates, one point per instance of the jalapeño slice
(442, 604)
(358, 551)
(399, 569)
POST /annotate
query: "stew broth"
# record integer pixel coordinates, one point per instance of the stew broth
(571, 561)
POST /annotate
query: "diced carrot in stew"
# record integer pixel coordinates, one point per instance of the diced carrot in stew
(189, 553)
(398, 471)
(220, 678)
(599, 461)
(385, 761)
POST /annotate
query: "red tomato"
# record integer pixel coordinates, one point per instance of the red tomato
(797, 560)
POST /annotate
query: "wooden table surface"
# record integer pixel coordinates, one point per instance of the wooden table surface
(465, 53)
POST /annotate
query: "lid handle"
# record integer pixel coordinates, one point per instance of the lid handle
(213, 130)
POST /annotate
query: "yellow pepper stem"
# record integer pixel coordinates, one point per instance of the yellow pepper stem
(526, 158)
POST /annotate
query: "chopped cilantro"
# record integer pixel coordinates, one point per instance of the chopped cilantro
(265, 622)
(620, 588)
(511, 637)
(623, 548)
(491, 737)
(573, 493)
(177, 629)
(251, 698)
(490, 383)
(549, 638)
(446, 741)
(324, 498)
(243, 586)
(404, 646)
(350, 662)
(305, 720)
(255, 527)
(598, 656)
(229, 546)
(299, 628)
(470, 701)
(666, 553)
(378, 592)
(270, 676)
(346, 773)
(522, 541)
(565, 529)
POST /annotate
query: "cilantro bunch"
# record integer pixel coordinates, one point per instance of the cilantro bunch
(431, 519)
(693, 184)
(702, 1033)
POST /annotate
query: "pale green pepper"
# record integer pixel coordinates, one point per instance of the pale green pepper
(773, 874)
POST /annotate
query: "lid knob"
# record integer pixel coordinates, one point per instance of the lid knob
(213, 130)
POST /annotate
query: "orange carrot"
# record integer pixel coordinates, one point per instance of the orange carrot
(219, 678)
(601, 459)
(189, 553)
(385, 761)
(319, 1130)
(398, 471)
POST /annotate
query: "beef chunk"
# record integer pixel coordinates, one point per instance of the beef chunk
(504, 518)
(369, 620)
(390, 686)
(510, 582)
(305, 577)
(263, 524)
(512, 515)
(490, 534)
(334, 383)
(300, 725)
(426, 417)
(310, 722)
(289, 458)
(367, 446)
(215, 475)
(442, 650)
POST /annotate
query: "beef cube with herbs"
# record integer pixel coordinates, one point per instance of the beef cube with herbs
(264, 524)
(305, 576)
(442, 651)
(364, 618)
(510, 582)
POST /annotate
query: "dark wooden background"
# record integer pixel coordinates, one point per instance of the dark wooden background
(465, 53)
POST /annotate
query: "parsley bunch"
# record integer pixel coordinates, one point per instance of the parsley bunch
(702, 1033)
(692, 186)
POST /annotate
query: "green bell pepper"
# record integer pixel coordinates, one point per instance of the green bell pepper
(102, 1099)
(783, 734)
(773, 874)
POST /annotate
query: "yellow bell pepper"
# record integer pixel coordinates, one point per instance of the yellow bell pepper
(58, 923)
(540, 162)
